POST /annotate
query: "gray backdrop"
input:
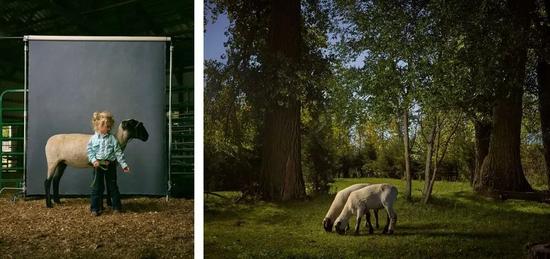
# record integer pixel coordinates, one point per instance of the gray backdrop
(69, 80)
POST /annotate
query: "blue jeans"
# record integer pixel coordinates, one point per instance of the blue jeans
(98, 187)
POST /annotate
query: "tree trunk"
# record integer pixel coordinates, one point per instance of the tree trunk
(281, 171)
(543, 71)
(431, 179)
(430, 183)
(281, 168)
(440, 147)
(501, 170)
(408, 188)
(482, 136)
(429, 155)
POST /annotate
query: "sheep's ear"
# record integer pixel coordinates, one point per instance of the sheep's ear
(124, 125)
(131, 123)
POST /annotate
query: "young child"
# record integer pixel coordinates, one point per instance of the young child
(103, 150)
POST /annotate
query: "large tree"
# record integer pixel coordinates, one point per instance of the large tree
(281, 172)
(275, 62)
(501, 169)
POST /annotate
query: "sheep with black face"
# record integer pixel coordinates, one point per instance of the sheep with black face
(338, 204)
(64, 150)
(374, 196)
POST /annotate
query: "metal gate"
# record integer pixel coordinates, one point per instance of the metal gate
(12, 123)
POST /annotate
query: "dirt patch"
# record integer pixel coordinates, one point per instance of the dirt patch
(149, 228)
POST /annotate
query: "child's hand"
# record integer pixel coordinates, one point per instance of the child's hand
(96, 163)
(126, 169)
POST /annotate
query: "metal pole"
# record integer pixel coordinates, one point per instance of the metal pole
(96, 38)
(25, 116)
(11, 38)
(170, 124)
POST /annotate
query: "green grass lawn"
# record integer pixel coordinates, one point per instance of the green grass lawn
(456, 224)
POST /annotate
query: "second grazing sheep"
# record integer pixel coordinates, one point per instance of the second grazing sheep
(338, 204)
(374, 196)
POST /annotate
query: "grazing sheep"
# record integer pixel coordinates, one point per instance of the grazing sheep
(374, 196)
(338, 204)
(70, 149)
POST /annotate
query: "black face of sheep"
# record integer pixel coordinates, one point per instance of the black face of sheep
(135, 129)
(327, 224)
(340, 229)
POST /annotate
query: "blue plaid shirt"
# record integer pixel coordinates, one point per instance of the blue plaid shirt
(105, 147)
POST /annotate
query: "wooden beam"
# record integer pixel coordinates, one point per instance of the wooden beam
(73, 16)
(155, 28)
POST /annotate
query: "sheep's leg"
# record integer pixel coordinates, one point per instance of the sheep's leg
(47, 184)
(376, 218)
(367, 217)
(368, 224)
(387, 225)
(56, 178)
(360, 212)
(392, 219)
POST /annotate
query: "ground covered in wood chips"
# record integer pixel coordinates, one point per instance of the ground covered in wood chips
(149, 228)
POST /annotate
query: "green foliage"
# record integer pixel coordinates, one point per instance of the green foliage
(388, 163)
(254, 79)
(319, 149)
(266, 77)
(458, 224)
(231, 130)
(461, 152)
(534, 168)
(532, 151)
(362, 64)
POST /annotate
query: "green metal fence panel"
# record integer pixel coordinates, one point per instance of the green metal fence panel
(12, 151)
(182, 146)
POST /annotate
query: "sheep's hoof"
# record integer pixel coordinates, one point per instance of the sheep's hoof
(390, 232)
(57, 201)
(385, 231)
(371, 230)
(49, 205)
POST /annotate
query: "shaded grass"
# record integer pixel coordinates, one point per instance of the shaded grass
(456, 224)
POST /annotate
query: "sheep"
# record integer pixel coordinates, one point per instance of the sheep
(70, 149)
(338, 204)
(374, 196)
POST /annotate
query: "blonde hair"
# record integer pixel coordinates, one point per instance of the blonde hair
(101, 118)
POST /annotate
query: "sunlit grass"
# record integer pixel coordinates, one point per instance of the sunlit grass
(456, 224)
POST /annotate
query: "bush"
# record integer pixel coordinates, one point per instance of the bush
(534, 167)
